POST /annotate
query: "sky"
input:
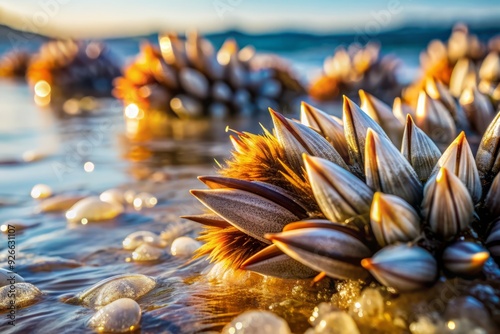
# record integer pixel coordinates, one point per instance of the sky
(101, 18)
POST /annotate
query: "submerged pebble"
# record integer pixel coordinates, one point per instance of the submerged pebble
(7, 275)
(92, 209)
(146, 252)
(41, 191)
(134, 240)
(369, 305)
(26, 294)
(113, 196)
(184, 247)
(257, 322)
(59, 203)
(106, 291)
(121, 316)
(336, 322)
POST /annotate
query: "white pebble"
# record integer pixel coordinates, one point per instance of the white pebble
(257, 322)
(106, 291)
(369, 304)
(146, 252)
(337, 323)
(423, 325)
(134, 240)
(320, 311)
(121, 316)
(41, 191)
(92, 209)
(184, 247)
(6, 278)
(59, 203)
(26, 294)
(113, 196)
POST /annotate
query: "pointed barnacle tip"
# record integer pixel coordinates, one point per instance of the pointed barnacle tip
(367, 264)
(461, 138)
(377, 207)
(271, 236)
(409, 120)
(363, 95)
(196, 192)
(441, 176)
(480, 258)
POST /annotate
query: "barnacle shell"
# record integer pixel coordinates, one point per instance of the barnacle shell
(326, 247)
(392, 219)
(339, 194)
(465, 258)
(447, 204)
(403, 267)
(382, 162)
(459, 160)
(419, 150)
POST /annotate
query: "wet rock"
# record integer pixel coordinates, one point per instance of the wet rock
(113, 196)
(320, 311)
(146, 252)
(59, 203)
(184, 247)
(369, 305)
(134, 240)
(337, 322)
(257, 322)
(41, 191)
(26, 294)
(121, 316)
(92, 209)
(107, 291)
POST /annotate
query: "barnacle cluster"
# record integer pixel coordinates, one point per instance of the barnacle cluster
(368, 195)
(189, 78)
(65, 69)
(354, 68)
(468, 67)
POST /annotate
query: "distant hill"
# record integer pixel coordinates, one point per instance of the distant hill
(20, 39)
(410, 35)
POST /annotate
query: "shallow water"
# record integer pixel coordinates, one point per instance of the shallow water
(183, 301)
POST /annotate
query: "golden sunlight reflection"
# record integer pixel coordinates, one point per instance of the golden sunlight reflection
(89, 167)
(42, 88)
(133, 111)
